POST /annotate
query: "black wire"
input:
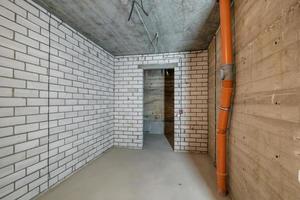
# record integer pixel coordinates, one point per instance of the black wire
(48, 114)
(131, 10)
(181, 105)
(140, 5)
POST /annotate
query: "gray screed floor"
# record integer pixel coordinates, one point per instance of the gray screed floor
(154, 173)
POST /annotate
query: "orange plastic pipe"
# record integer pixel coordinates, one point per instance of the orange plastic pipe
(226, 35)
(226, 93)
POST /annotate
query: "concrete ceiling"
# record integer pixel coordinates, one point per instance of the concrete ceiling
(181, 25)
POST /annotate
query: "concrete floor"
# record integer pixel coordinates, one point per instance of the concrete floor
(154, 173)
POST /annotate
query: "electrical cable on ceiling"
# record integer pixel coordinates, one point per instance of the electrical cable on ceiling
(140, 5)
(155, 39)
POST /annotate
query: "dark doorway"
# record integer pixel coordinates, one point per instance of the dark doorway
(169, 106)
(158, 119)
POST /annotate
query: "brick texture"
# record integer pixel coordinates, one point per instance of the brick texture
(191, 96)
(64, 100)
(55, 116)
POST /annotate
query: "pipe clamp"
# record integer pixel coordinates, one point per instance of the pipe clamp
(224, 109)
(226, 72)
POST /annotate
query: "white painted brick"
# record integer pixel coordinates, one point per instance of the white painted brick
(65, 55)
(8, 121)
(4, 171)
(37, 150)
(38, 134)
(79, 79)
(27, 179)
(44, 16)
(12, 25)
(37, 166)
(6, 112)
(12, 44)
(7, 72)
(37, 102)
(37, 85)
(38, 53)
(26, 128)
(25, 5)
(28, 24)
(38, 21)
(5, 92)
(45, 47)
(6, 151)
(13, 7)
(30, 195)
(6, 131)
(125, 75)
(5, 161)
(26, 145)
(27, 162)
(26, 40)
(6, 32)
(26, 75)
(36, 69)
(56, 46)
(6, 102)
(16, 194)
(66, 29)
(38, 182)
(57, 60)
(38, 37)
(43, 79)
(7, 13)
(57, 116)
(6, 190)
(25, 93)
(6, 141)
(27, 58)
(37, 118)
(26, 110)
(56, 144)
(6, 52)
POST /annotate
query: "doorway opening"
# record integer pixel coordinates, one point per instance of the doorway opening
(158, 107)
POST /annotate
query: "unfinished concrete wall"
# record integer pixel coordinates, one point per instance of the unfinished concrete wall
(56, 115)
(153, 106)
(265, 125)
(212, 99)
(191, 73)
(214, 52)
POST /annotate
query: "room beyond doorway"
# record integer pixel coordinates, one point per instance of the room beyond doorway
(158, 103)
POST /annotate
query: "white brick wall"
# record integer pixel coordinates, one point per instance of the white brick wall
(81, 89)
(80, 107)
(191, 132)
(95, 100)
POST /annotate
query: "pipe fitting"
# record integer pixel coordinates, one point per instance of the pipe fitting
(226, 72)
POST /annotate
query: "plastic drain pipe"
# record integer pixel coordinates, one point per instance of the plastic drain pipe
(226, 93)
